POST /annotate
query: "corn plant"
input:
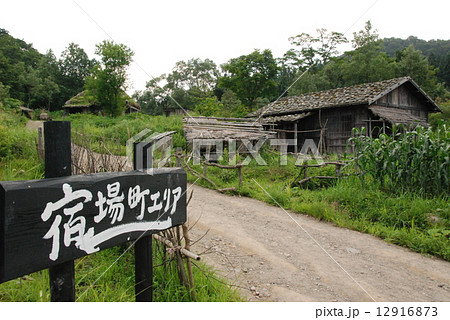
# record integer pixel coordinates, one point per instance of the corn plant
(416, 161)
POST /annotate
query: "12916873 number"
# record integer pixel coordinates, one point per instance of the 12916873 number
(407, 311)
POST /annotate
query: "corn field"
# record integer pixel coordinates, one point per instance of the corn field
(416, 161)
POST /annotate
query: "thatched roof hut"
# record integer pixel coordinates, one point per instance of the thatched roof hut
(84, 103)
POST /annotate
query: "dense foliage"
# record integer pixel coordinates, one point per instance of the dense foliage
(436, 51)
(40, 80)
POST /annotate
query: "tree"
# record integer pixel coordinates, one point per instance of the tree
(316, 50)
(4, 94)
(209, 107)
(367, 64)
(30, 85)
(411, 62)
(251, 76)
(194, 74)
(186, 86)
(16, 59)
(366, 36)
(232, 106)
(109, 77)
(74, 66)
(47, 90)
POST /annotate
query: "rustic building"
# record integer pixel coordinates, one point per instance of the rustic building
(82, 103)
(328, 117)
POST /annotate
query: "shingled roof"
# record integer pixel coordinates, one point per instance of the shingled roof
(367, 93)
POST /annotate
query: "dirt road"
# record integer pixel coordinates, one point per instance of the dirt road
(274, 257)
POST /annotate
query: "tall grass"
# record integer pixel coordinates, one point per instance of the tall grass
(117, 130)
(416, 161)
(102, 277)
(18, 156)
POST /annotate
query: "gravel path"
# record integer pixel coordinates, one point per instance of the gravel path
(274, 257)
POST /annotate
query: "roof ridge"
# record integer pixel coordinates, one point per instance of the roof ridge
(399, 79)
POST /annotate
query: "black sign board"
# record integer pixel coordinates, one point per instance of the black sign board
(46, 222)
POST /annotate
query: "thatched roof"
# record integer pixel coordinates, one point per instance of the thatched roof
(367, 93)
(25, 109)
(83, 100)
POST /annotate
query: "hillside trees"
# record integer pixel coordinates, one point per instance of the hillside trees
(17, 58)
(437, 52)
(108, 80)
(369, 62)
(41, 80)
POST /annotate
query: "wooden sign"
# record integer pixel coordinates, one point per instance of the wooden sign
(46, 222)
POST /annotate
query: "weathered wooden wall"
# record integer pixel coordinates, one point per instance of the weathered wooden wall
(406, 97)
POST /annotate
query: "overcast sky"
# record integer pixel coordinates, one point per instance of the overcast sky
(164, 32)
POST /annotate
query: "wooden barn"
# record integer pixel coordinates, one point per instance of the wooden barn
(328, 117)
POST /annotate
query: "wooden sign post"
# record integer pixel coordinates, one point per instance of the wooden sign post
(49, 223)
(143, 248)
(58, 163)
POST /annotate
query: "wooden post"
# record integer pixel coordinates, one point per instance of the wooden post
(58, 164)
(305, 166)
(40, 144)
(143, 255)
(295, 138)
(178, 157)
(205, 170)
(338, 167)
(240, 175)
